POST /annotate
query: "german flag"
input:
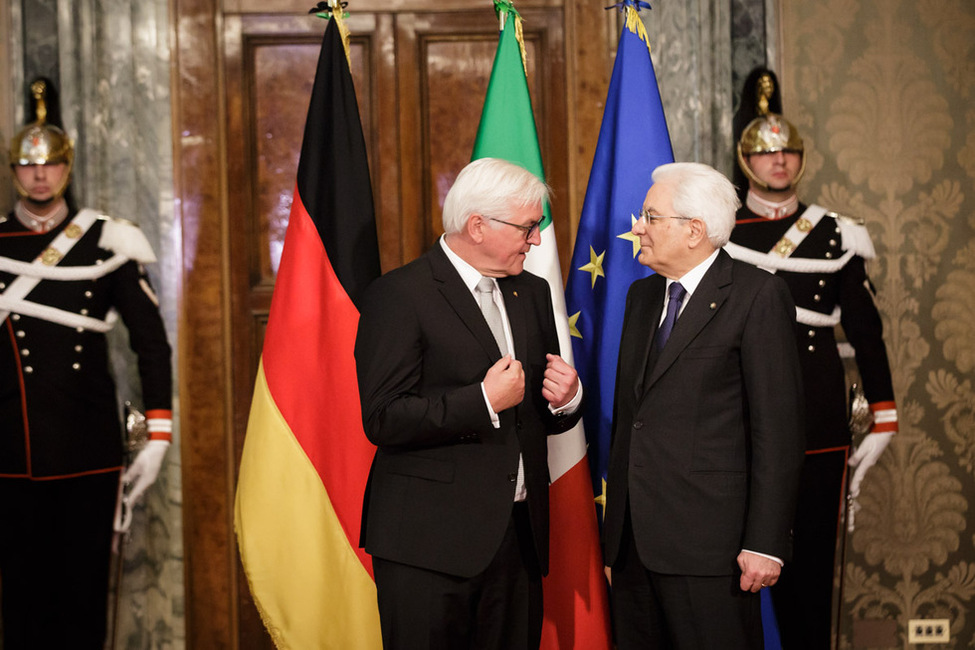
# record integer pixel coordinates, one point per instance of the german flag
(306, 459)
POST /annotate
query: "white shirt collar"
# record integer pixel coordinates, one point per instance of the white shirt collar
(692, 278)
(468, 274)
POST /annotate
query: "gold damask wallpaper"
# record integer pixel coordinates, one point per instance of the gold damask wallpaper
(883, 92)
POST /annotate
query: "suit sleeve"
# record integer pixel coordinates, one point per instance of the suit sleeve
(773, 388)
(135, 301)
(864, 329)
(400, 406)
(555, 424)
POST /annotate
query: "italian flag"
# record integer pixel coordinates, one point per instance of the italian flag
(576, 603)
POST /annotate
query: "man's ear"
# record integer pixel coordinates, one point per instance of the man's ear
(698, 232)
(475, 227)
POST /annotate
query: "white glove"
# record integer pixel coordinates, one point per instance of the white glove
(138, 477)
(865, 457)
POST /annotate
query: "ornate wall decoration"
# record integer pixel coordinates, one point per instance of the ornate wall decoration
(883, 89)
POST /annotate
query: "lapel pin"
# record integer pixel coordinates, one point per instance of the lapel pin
(515, 293)
(714, 305)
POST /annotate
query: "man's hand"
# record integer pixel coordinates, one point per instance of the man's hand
(504, 383)
(138, 477)
(866, 456)
(757, 571)
(561, 382)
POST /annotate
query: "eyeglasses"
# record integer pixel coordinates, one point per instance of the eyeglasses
(651, 219)
(529, 230)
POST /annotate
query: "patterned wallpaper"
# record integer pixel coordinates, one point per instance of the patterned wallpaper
(882, 91)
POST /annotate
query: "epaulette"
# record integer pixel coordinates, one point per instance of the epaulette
(855, 235)
(125, 238)
(845, 218)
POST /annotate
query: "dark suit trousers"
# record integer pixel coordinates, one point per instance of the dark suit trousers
(654, 611)
(55, 555)
(498, 609)
(803, 596)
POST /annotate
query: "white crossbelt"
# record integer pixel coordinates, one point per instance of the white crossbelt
(44, 267)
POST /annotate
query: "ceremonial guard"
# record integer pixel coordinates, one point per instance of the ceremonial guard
(821, 255)
(65, 278)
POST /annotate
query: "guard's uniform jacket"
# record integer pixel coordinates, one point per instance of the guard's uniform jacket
(59, 415)
(821, 256)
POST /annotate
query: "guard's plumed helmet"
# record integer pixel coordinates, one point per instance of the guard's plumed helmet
(768, 133)
(40, 143)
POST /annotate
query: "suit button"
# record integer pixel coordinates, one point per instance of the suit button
(812, 348)
(520, 424)
(638, 424)
(512, 476)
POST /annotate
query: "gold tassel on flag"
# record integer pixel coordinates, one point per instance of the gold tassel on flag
(335, 9)
(503, 8)
(633, 22)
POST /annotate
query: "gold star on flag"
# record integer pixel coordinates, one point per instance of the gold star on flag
(601, 499)
(573, 330)
(595, 265)
(629, 236)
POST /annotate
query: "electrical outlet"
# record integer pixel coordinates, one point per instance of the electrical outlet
(928, 630)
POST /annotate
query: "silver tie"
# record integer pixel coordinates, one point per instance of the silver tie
(485, 298)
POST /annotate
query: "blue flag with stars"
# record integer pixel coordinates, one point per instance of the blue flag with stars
(633, 141)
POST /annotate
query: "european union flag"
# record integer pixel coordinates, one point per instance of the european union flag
(633, 141)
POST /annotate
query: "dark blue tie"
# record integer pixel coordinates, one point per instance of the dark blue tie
(677, 294)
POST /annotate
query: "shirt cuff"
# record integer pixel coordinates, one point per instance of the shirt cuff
(569, 407)
(771, 557)
(495, 420)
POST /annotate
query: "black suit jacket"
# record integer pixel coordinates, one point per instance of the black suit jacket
(442, 483)
(706, 450)
(59, 415)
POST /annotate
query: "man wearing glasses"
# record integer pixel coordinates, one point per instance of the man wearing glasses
(460, 382)
(707, 435)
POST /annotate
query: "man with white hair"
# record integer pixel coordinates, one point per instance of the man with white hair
(707, 434)
(460, 382)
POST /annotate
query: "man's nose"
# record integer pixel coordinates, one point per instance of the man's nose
(536, 237)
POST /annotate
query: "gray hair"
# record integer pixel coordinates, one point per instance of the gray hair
(702, 192)
(490, 187)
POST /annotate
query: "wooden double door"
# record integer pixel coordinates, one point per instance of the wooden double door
(244, 73)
